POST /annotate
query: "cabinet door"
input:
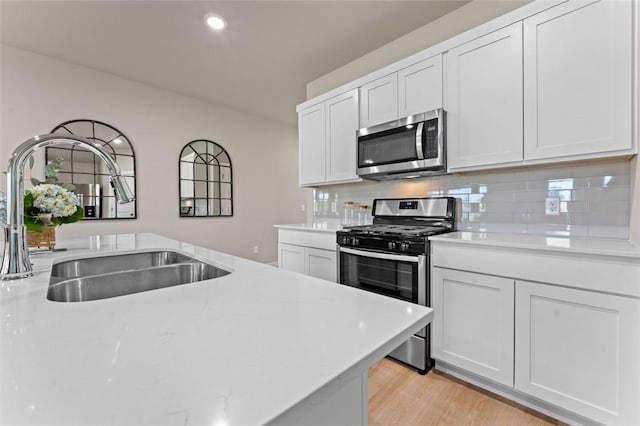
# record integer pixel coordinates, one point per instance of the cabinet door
(579, 350)
(379, 101)
(420, 87)
(321, 263)
(578, 76)
(311, 143)
(473, 324)
(341, 127)
(484, 100)
(291, 258)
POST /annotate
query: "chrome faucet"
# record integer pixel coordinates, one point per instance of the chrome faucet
(15, 260)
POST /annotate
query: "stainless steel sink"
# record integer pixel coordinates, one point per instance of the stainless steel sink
(102, 277)
(122, 262)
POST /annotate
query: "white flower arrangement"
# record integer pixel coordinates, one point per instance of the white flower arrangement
(47, 203)
(54, 199)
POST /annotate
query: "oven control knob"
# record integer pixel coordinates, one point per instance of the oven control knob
(355, 242)
(404, 247)
(391, 245)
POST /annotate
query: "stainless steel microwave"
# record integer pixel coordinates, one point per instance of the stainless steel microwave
(410, 147)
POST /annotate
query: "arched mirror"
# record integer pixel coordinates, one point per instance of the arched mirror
(89, 174)
(205, 180)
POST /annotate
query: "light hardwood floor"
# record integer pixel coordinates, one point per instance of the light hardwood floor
(399, 395)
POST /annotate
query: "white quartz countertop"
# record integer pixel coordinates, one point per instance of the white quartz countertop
(591, 246)
(330, 227)
(237, 350)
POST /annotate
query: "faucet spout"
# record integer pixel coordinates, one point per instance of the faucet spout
(15, 259)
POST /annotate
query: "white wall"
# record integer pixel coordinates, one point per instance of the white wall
(38, 92)
(468, 16)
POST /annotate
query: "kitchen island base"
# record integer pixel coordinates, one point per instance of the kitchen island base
(343, 403)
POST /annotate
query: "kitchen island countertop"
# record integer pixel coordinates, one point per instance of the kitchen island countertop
(244, 349)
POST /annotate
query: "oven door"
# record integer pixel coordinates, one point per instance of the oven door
(398, 276)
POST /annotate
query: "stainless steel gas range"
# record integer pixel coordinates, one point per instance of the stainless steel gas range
(391, 257)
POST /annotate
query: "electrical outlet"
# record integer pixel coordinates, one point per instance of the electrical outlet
(552, 206)
(256, 249)
(303, 207)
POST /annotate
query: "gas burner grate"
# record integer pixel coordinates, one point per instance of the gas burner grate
(388, 229)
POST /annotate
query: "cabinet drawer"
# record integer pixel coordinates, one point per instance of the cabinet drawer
(320, 240)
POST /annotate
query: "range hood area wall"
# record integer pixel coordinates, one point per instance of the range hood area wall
(595, 199)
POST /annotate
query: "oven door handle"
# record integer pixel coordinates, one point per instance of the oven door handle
(378, 255)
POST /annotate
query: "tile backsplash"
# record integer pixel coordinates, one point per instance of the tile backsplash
(594, 198)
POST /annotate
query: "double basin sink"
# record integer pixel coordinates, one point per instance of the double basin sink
(101, 277)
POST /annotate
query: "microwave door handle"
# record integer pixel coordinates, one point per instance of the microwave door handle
(419, 149)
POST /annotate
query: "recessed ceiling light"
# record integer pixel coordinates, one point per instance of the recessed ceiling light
(215, 22)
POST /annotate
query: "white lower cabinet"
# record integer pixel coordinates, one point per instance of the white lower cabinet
(315, 262)
(320, 263)
(308, 252)
(291, 257)
(473, 324)
(579, 350)
(558, 332)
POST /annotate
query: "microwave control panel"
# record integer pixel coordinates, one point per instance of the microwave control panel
(431, 138)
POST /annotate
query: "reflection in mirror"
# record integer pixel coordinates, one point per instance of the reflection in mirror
(89, 174)
(205, 180)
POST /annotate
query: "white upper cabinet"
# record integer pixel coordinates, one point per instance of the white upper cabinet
(379, 101)
(484, 82)
(341, 126)
(572, 99)
(412, 90)
(420, 87)
(311, 140)
(550, 82)
(578, 76)
(327, 140)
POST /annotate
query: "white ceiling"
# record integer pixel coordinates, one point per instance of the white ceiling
(260, 64)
